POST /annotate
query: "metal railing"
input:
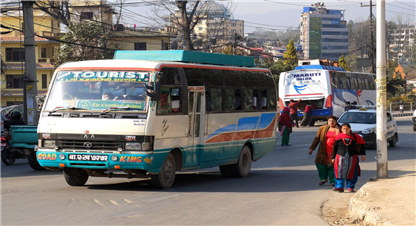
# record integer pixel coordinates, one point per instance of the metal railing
(403, 107)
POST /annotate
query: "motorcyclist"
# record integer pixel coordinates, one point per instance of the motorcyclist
(15, 120)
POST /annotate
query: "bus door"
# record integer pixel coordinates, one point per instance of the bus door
(196, 125)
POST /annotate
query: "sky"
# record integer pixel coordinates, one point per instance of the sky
(275, 15)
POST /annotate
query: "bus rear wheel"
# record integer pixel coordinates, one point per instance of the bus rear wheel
(166, 177)
(243, 166)
(75, 177)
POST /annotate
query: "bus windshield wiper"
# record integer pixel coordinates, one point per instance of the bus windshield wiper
(66, 108)
(119, 109)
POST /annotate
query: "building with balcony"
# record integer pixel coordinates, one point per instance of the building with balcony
(324, 33)
(13, 53)
(403, 43)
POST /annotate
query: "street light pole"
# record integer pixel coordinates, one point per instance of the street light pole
(381, 157)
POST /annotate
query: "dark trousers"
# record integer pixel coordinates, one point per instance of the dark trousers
(295, 119)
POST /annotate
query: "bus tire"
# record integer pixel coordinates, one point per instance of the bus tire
(7, 157)
(226, 171)
(166, 177)
(243, 166)
(33, 162)
(75, 177)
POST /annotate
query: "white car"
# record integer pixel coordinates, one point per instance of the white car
(363, 122)
(414, 120)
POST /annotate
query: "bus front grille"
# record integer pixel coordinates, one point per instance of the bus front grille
(93, 145)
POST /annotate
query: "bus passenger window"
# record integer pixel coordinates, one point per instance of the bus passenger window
(360, 83)
(175, 100)
(230, 98)
(248, 99)
(238, 99)
(213, 100)
(169, 101)
(271, 104)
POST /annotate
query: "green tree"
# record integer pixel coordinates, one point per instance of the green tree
(343, 63)
(84, 41)
(290, 57)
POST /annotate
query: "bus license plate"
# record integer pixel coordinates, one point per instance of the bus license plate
(75, 157)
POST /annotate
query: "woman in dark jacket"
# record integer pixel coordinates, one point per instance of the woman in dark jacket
(345, 158)
(325, 137)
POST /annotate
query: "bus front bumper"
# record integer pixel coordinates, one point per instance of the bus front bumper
(107, 161)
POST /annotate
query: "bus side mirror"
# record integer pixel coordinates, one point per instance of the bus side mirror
(153, 91)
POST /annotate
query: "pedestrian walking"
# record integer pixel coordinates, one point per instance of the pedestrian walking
(345, 158)
(294, 111)
(325, 137)
(285, 126)
(307, 115)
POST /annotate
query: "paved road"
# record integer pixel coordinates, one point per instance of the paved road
(281, 190)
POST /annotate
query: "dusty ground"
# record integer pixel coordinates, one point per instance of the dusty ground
(335, 210)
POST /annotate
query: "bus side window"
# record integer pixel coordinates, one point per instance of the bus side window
(249, 99)
(343, 82)
(214, 100)
(360, 83)
(348, 83)
(230, 99)
(238, 99)
(271, 100)
(170, 101)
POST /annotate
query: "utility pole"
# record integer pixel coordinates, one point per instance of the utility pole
(381, 157)
(372, 50)
(30, 89)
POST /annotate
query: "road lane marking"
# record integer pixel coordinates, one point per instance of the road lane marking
(98, 202)
(128, 201)
(113, 202)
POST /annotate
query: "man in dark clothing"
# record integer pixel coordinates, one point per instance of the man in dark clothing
(307, 117)
(15, 120)
(294, 111)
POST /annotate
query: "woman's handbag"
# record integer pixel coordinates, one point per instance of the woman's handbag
(290, 130)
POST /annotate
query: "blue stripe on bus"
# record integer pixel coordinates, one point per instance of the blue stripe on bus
(265, 120)
(224, 129)
(249, 123)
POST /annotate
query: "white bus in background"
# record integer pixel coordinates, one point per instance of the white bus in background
(327, 87)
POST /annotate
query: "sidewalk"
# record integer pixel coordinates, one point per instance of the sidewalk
(386, 202)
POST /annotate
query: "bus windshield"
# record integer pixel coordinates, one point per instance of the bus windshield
(99, 90)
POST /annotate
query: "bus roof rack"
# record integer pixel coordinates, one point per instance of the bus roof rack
(186, 57)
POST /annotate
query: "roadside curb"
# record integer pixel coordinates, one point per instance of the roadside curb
(382, 202)
(359, 209)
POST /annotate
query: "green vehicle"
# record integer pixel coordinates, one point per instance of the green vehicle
(20, 142)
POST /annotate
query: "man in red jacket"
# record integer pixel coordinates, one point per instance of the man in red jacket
(294, 111)
(307, 117)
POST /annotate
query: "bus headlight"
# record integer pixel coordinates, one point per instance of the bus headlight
(368, 130)
(49, 144)
(133, 146)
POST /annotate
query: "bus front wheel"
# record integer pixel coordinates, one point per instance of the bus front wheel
(75, 177)
(166, 177)
(243, 166)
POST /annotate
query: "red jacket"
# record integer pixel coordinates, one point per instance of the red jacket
(294, 107)
(308, 108)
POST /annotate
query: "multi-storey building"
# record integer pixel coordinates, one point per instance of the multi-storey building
(13, 53)
(403, 42)
(324, 32)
